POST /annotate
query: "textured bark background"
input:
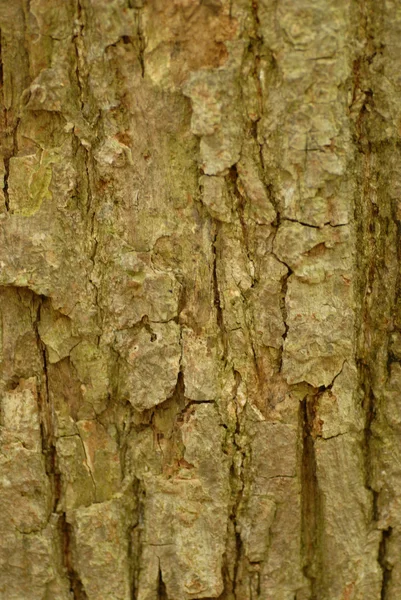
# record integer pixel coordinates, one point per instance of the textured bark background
(200, 318)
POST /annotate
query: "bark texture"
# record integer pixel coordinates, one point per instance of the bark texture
(200, 314)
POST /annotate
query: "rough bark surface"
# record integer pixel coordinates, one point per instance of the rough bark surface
(200, 313)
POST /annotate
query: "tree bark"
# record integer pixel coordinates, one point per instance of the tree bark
(200, 314)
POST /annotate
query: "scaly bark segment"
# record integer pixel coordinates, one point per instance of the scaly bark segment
(199, 316)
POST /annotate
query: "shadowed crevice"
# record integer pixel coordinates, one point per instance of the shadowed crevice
(310, 496)
(161, 588)
(384, 564)
(76, 586)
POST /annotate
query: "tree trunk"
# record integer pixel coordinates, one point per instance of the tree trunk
(200, 315)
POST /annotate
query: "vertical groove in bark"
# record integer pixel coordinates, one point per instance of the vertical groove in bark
(161, 588)
(141, 38)
(5, 183)
(378, 267)
(369, 406)
(216, 293)
(310, 496)
(283, 309)
(76, 587)
(77, 39)
(46, 413)
(12, 152)
(237, 485)
(385, 566)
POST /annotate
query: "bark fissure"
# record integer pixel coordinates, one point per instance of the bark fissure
(5, 183)
(384, 564)
(238, 486)
(47, 417)
(6, 160)
(161, 588)
(283, 309)
(216, 292)
(141, 39)
(132, 532)
(369, 257)
(240, 207)
(77, 39)
(76, 586)
(310, 496)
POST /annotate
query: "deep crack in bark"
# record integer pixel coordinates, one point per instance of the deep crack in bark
(216, 292)
(47, 417)
(310, 496)
(237, 484)
(384, 564)
(76, 586)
